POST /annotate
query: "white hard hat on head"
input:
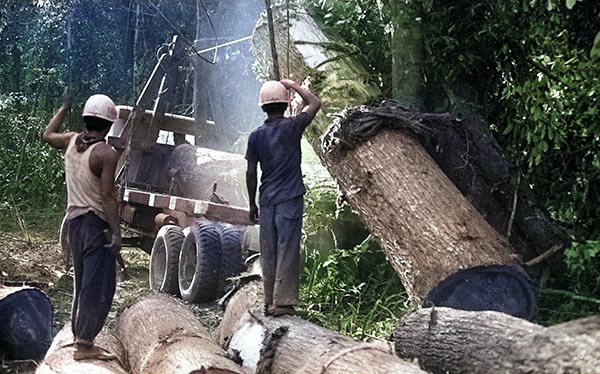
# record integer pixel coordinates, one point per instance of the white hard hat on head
(273, 92)
(100, 106)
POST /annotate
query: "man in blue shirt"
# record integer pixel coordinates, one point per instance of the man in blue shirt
(276, 146)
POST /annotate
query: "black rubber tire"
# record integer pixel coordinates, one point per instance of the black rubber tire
(199, 263)
(232, 261)
(164, 260)
(65, 247)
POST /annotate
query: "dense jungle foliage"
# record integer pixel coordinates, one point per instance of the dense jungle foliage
(531, 68)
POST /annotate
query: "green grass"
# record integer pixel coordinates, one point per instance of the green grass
(354, 292)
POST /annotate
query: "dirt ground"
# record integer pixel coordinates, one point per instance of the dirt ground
(35, 259)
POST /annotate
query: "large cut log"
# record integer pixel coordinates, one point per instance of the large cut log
(206, 174)
(162, 335)
(439, 244)
(59, 359)
(452, 341)
(25, 323)
(287, 344)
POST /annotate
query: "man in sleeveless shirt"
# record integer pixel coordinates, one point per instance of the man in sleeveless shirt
(276, 146)
(93, 217)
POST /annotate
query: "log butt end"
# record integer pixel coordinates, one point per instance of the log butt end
(25, 325)
(501, 288)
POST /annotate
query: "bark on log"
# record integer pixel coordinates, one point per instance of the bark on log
(427, 228)
(459, 342)
(161, 335)
(59, 359)
(206, 174)
(286, 344)
(25, 323)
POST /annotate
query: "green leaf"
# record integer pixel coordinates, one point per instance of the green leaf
(571, 3)
(595, 53)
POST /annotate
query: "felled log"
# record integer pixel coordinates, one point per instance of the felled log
(59, 358)
(467, 152)
(162, 335)
(439, 244)
(206, 174)
(287, 344)
(452, 341)
(25, 323)
(247, 295)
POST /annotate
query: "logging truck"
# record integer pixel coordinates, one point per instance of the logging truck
(186, 206)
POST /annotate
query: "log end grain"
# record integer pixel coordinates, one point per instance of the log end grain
(501, 288)
(25, 323)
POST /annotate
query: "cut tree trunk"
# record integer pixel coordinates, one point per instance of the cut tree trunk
(59, 359)
(452, 341)
(25, 323)
(282, 345)
(442, 248)
(162, 335)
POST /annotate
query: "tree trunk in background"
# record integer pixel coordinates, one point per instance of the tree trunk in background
(283, 345)
(201, 96)
(129, 45)
(408, 84)
(162, 335)
(452, 341)
(59, 359)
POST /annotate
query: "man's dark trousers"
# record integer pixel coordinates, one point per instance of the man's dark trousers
(95, 271)
(280, 234)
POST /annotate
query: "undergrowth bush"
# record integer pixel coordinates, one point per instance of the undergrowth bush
(355, 292)
(575, 292)
(31, 172)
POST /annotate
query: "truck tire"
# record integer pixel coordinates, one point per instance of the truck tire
(232, 261)
(199, 263)
(164, 260)
(65, 247)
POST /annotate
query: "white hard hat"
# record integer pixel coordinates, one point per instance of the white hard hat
(273, 92)
(100, 106)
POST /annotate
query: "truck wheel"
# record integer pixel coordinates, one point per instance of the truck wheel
(232, 262)
(164, 259)
(199, 263)
(64, 243)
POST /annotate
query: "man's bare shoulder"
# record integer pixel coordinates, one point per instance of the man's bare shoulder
(105, 152)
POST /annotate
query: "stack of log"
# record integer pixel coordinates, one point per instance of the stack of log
(160, 334)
